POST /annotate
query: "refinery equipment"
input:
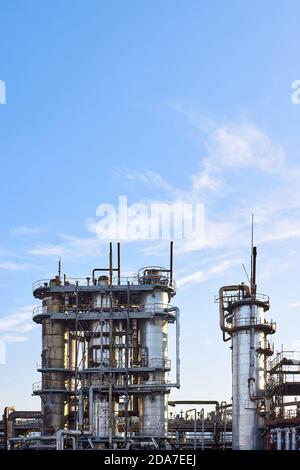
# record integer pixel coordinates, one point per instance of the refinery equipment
(242, 320)
(105, 370)
(104, 363)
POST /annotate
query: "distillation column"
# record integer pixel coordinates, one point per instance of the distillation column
(100, 357)
(242, 319)
(154, 347)
(248, 374)
(53, 377)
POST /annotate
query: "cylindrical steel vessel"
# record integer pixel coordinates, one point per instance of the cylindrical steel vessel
(154, 343)
(248, 375)
(99, 357)
(53, 381)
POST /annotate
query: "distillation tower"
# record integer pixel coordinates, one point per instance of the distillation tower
(104, 362)
(242, 320)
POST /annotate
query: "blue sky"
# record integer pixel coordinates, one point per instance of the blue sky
(160, 101)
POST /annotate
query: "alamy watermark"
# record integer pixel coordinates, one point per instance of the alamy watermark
(153, 221)
(2, 92)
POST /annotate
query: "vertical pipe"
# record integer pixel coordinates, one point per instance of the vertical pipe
(119, 264)
(110, 263)
(253, 279)
(91, 405)
(177, 347)
(195, 429)
(110, 401)
(293, 430)
(81, 412)
(279, 446)
(202, 418)
(287, 439)
(101, 343)
(171, 263)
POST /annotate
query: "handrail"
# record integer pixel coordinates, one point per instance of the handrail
(233, 298)
(87, 282)
(157, 307)
(48, 385)
(248, 321)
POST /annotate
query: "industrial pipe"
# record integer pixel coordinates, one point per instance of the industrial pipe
(60, 437)
(293, 431)
(195, 425)
(202, 425)
(195, 402)
(91, 404)
(80, 410)
(279, 444)
(177, 318)
(287, 439)
(171, 263)
(232, 288)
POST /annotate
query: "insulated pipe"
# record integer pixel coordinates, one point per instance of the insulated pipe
(177, 347)
(91, 404)
(279, 444)
(80, 410)
(177, 311)
(202, 417)
(241, 287)
(293, 431)
(287, 439)
(61, 433)
(194, 402)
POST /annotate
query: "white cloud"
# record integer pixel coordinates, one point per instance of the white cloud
(203, 275)
(81, 246)
(13, 327)
(244, 145)
(69, 247)
(24, 230)
(44, 249)
(13, 338)
(12, 266)
(148, 177)
(203, 182)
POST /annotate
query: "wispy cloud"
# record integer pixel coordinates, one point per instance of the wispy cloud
(24, 230)
(203, 275)
(15, 326)
(70, 246)
(46, 249)
(12, 266)
(148, 177)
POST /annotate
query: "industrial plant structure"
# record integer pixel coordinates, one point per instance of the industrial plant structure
(105, 369)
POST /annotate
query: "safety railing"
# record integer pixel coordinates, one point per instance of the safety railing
(248, 322)
(80, 282)
(48, 385)
(293, 412)
(154, 308)
(282, 357)
(266, 346)
(160, 280)
(239, 296)
(159, 363)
